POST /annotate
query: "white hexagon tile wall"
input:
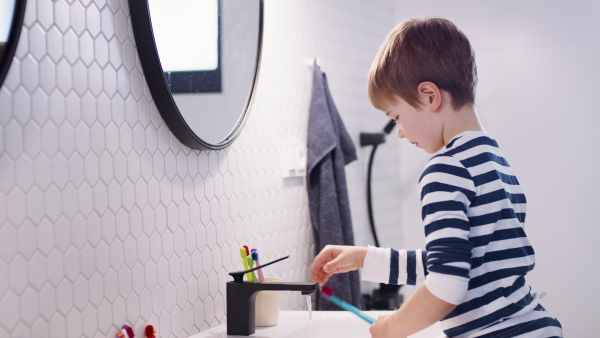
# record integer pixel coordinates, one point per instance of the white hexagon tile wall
(106, 219)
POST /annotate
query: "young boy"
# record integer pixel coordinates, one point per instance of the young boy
(424, 77)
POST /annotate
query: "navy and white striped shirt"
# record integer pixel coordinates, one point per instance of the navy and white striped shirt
(477, 252)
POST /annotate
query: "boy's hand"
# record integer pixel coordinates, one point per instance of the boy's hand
(381, 328)
(336, 259)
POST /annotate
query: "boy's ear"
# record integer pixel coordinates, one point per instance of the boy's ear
(431, 95)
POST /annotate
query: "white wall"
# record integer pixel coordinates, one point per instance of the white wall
(106, 219)
(538, 96)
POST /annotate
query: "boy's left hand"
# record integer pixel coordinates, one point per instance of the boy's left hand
(383, 328)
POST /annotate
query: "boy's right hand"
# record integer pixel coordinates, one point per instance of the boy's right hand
(336, 259)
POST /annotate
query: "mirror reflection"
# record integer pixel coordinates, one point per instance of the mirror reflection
(7, 9)
(11, 19)
(208, 52)
(191, 61)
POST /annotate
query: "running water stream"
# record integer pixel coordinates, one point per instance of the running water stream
(309, 307)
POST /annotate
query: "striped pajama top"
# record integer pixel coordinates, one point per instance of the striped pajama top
(477, 252)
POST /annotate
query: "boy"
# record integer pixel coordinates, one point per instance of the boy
(424, 77)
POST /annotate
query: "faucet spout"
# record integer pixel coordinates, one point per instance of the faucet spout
(241, 299)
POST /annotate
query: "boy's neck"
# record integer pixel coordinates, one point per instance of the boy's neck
(461, 120)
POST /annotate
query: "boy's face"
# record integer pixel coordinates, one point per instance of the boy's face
(420, 126)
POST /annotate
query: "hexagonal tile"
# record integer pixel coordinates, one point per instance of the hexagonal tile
(88, 261)
(111, 285)
(219, 307)
(54, 44)
(96, 287)
(64, 82)
(61, 15)
(74, 323)
(58, 324)
(133, 306)
(89, 321)
(158, 300)
(116, 255)
(47, 301)
(107, 20)
(138, 279)
(197, 268)
(95, 74)
(186, 266)
(104, 315)
(39, 328)
(80, 77)
(54, 267)
(14, 132)
(9, 310)
(121, 25)
(145, 305)
(117, 109)
(114, 196)
(32, 144)
(150, 274)
(69, 201)
(199, 311)
(92, 20)
(44, 235)
(70, 47)
(165, 322)
(102, 258)
(45, 13)
(207, 260)
(170, 297)
(77, 17)
(209, 310)
(125, 284)
(168, 243)
(190, 239)
(120, 173)
(64, 297)
(37, 42)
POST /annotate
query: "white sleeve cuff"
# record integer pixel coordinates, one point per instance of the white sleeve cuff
(376, 267)
(450, 289)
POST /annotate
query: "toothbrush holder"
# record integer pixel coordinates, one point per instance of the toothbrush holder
(267, 306)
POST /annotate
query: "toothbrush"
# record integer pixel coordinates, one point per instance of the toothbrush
(328, 294)
(251, 266)
(245, 262)
(150, 332)
(261, 277)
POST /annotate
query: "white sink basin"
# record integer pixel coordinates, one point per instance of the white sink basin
(324, 324)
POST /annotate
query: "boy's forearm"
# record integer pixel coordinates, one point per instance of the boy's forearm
(422, 310)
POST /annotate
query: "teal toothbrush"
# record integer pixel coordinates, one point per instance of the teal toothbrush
(328, 294)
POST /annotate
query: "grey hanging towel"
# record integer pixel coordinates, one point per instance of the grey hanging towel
(329, 150)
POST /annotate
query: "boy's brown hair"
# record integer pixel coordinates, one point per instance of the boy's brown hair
(418, 50)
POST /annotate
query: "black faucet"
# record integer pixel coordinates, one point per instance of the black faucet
(241, 297)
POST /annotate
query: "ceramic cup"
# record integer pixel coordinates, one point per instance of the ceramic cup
(267, 306)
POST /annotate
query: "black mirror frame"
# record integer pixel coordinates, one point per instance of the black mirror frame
(157, 83)
(13, 38)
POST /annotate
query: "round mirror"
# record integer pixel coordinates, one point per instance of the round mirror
(200, 59)
(11, 20)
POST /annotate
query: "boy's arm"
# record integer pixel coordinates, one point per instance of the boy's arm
(422, 310)
(390, 266)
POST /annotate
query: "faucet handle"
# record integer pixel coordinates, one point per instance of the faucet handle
(238, 276)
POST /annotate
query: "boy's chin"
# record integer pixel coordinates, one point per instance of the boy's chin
(433, 151)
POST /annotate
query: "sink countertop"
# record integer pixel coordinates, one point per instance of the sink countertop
(325, 324)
